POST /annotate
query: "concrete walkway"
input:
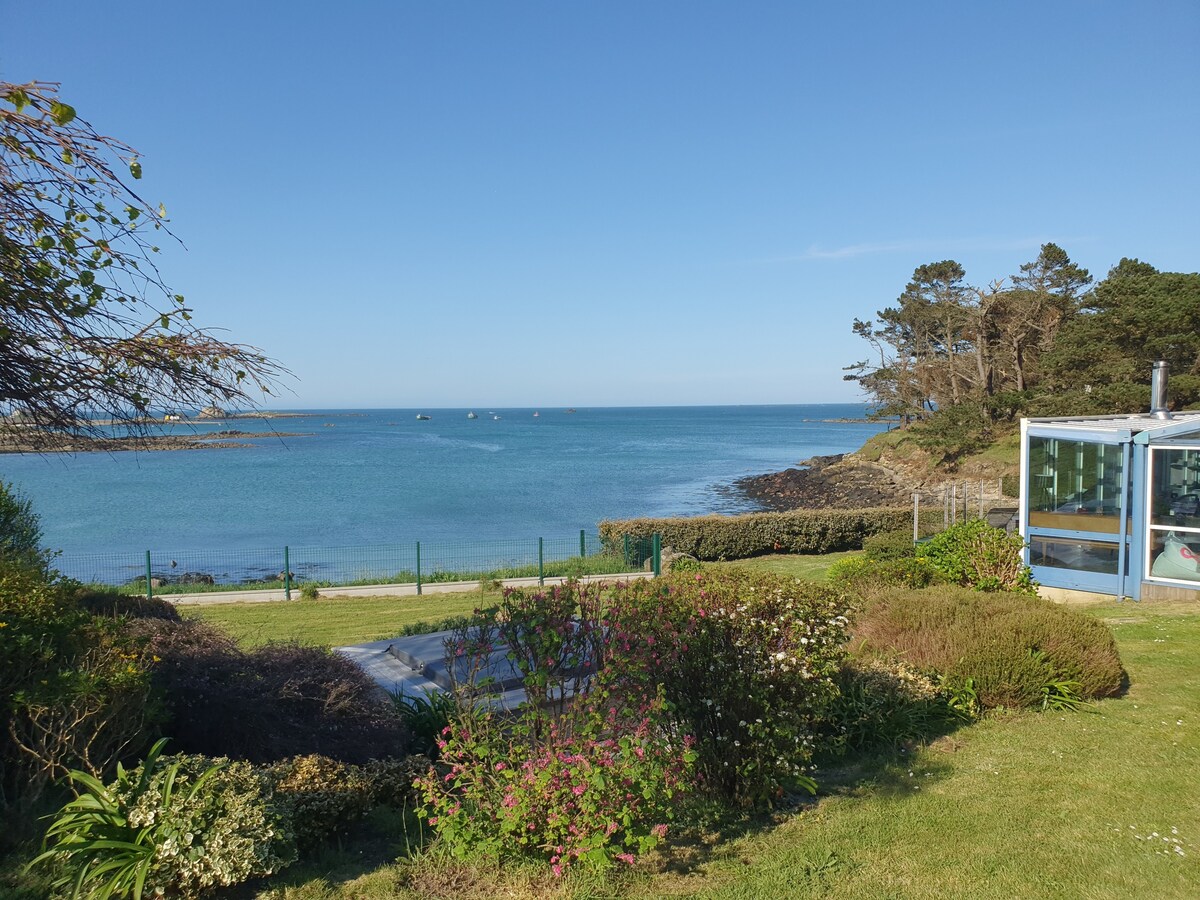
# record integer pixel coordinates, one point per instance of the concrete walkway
(376, 590)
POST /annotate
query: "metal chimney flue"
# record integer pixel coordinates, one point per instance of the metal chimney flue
(1158, 391)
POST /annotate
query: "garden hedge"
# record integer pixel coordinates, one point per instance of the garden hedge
(753, 534)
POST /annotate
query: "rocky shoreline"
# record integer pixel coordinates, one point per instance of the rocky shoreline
(32, 441)
(842, 481)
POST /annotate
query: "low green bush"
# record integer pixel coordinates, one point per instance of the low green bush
(889, 545)
(713, 538)
(323, 797)
(976, 555)
(1015, 651)
(74, 688)
(865, 577)
(885, 704)
(175, 826)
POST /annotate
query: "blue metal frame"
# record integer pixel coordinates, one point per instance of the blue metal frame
(1119, 584)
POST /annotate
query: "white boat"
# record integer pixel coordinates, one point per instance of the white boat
(424, 418)
(536, 414)
(471, 415)
(497, 418)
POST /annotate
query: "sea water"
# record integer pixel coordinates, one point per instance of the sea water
(366, 477)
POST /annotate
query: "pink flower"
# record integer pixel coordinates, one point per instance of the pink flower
(625, 858)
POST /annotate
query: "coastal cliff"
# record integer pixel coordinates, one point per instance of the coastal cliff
(886, 471)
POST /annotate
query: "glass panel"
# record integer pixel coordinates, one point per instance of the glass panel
(1175, 554)
(1082, 556)
(1074, 485)
(1175, 492)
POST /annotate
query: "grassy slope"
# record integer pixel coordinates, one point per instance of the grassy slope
(1033, 805)
(1036, 805)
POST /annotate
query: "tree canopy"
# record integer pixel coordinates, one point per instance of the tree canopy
(958, 360)
(90, 331)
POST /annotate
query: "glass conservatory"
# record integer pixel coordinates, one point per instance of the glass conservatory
(1111, 504)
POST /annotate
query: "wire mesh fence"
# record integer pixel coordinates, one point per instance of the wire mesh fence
(153, 572)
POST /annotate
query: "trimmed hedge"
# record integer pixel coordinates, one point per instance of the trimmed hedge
(753, 534)
(1012, 647)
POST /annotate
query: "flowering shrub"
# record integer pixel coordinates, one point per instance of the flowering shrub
(579, 775)
(746, 662)
(583, 792)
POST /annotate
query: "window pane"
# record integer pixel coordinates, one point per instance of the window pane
(1081, 556)
(1074, 485)
(1175, 494)
(1175, 554)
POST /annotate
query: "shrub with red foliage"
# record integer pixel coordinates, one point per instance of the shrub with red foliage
(269, 703)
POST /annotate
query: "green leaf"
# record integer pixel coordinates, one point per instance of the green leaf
(18, 98)
(135, 168)
(60, 112)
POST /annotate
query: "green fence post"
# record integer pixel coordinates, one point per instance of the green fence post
(287, 575)
(628, 559)
(149, 588)
(418, 568)
(541, 564)
(582, 543)
(657, 545)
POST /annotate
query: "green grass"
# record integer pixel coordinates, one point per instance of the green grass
(1023, 805)
(810, 567)
(1043, 805)
(335, 621)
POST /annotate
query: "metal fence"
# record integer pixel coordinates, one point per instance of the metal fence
(993, 501)
(190, 571)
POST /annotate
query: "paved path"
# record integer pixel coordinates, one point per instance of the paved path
(375, 590)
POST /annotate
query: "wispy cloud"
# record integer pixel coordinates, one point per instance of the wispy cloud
(928, 246)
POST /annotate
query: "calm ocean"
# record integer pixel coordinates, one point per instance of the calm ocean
(382, 476)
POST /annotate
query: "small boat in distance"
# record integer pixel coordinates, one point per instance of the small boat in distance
(536, 414)
(423, 418)
(571, 410)
(471, 415)
(497, 418)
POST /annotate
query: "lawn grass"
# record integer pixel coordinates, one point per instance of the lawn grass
(1020, 805)
(812, 567)
(334, 621)
(338, 621)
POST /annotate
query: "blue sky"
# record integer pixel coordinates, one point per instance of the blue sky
(427, 204)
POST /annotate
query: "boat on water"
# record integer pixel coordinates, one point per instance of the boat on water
(536, 414)
(497, 418)
(471, 415)
(423, 418)
(571, 410)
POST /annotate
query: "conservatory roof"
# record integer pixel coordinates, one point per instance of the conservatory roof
(1140, 427)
